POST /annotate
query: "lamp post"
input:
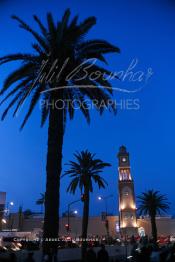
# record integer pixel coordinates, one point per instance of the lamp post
(105, 199)
(2, 219)
(68, 213)
(9, 205)
(3, 223)
(5, 212)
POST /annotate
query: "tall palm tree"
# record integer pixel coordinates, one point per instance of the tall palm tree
(40, 201)
(153, 203)
(48, 75)
(85, 170)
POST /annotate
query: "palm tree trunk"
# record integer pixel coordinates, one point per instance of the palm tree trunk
(85, 223)
(154, 228)
(53, 169)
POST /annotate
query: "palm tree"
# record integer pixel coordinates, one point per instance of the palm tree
(40, 201)
(60, 45)
(152, 203)
(85, 170)
(27, 213)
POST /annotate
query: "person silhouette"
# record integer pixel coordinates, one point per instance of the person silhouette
(90, 255)
(102, 255)
(13, 257)
(30, 257)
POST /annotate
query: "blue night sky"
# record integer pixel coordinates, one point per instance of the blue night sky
(142, 29)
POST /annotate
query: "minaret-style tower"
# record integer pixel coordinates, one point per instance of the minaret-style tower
(127, 206)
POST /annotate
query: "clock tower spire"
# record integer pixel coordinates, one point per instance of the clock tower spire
(127, 206)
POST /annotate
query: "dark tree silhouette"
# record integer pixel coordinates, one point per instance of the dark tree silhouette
(152, 203)
(40, 201)
(27, 213)
(62, 45)
(84, 171)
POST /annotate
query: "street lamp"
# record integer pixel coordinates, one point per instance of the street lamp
(4, 221)
(105, 199)
(9, 206)
(5, 211)
(68, 213)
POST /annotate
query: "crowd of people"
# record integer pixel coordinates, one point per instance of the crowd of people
(146, 250)
(143, 251)
(153, 253)
(101, 256)
(13, 258)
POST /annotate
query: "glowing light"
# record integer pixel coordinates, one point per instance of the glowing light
(99, 198)
(122, 206)
(4, 221)
(134, 224)
(141, 231)
(12, 203)
(124, 224)
(75, 212)
(68, 238)
(133, 206)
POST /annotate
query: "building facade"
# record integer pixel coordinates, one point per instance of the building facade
(34, 224)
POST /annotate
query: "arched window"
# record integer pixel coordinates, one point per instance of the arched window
(125, 174)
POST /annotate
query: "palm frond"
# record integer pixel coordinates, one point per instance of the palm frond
(14, 90)
(41, 26)
(87, 24)
(26, 27)
(14, 100)
(19, 74)
(34, 100)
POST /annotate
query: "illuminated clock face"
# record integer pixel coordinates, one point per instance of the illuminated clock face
(123, 159)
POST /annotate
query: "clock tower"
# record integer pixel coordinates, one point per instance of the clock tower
(127, 206)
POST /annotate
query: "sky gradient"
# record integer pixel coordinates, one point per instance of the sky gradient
(145, 31)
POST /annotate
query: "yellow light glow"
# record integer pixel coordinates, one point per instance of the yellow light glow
(122, 206)
(133, 206)
(4, 221)
(134, 224)
(123, 225)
